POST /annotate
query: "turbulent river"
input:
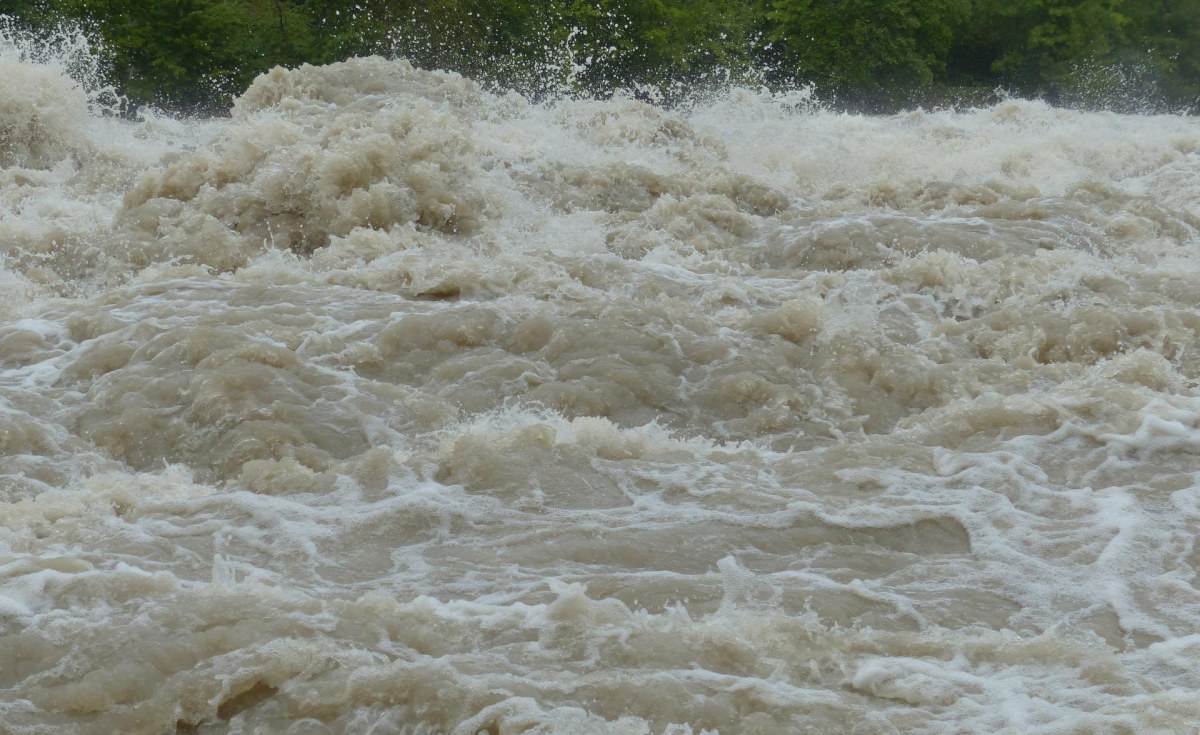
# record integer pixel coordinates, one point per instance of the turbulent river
(388, 404)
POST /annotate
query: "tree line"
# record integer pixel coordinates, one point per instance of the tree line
(1133, 55)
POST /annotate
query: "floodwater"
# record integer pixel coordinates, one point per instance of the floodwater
(391, 405)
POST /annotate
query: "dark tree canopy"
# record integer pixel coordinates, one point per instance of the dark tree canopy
(869, 54)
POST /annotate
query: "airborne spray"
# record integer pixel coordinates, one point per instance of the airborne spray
(391, 404)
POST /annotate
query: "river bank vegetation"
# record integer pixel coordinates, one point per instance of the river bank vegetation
(1127, 55)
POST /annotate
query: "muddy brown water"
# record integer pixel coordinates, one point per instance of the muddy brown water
(391, 405)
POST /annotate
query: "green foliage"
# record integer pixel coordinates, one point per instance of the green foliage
(1164, 40)
(1044, 38)
(860, 44)
(617, 43)
(193, 53)
(197, 54)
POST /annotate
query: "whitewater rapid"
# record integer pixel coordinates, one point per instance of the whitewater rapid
(388, 404)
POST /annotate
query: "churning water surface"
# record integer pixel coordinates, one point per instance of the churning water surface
(391, 405)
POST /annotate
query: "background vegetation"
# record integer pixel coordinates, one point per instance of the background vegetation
(1131, 55)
